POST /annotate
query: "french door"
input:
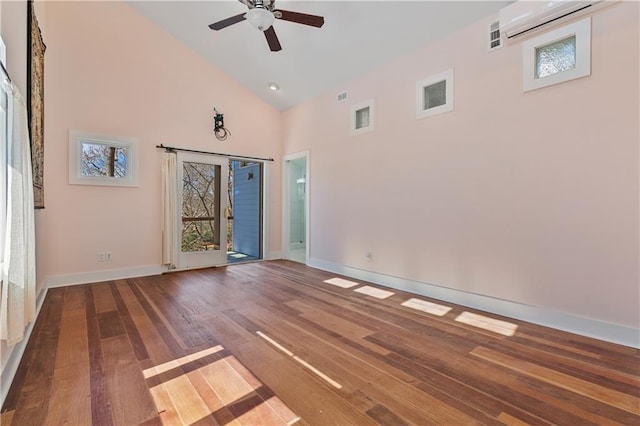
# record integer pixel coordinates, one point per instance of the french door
(202, 207)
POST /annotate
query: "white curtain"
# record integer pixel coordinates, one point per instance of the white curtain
(18, 305)
(169, 209)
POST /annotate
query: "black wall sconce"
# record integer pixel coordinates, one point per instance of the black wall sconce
(220, 131)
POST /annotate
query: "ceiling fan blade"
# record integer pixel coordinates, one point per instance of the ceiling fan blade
(299, 18)
(227, 22)
(272, 39)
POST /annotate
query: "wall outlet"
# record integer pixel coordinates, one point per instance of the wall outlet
(103, 256)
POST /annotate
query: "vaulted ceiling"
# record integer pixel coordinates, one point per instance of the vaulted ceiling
(356, 37)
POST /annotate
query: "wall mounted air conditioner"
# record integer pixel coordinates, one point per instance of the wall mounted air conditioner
(524, 16)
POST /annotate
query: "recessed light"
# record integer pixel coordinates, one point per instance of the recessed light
(274, 86)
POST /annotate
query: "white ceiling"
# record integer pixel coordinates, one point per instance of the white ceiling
(356, 37)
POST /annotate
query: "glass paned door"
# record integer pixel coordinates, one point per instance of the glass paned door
(202, 186)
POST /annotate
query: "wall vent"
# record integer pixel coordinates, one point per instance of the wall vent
(342, 96)
(495, 42)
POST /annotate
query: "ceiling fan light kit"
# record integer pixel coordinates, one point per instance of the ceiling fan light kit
(262, 14)
(260, 18)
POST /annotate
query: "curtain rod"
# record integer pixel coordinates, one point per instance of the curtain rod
(171, 148)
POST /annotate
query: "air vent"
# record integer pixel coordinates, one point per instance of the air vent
(342, 96)
(495, 42)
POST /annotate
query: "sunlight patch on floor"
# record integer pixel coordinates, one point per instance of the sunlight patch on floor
(300, 361)
(428, 307)
(236, 255)
(374, 292)
(153, 371)
(222, 389)
(486, 323)
(340, 282)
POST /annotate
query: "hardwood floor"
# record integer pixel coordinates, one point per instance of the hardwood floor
(272, 343)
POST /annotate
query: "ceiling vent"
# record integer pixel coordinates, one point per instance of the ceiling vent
(522, 17)
(342, 97)
(494, 40)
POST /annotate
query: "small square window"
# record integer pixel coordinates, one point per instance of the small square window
(557, 56)
(434, 94)
(362, 117)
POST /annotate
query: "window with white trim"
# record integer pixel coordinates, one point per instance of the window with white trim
(434, 94)
(4, 128)
(557, 56)
(362, 117)
(4, 140)
(102, 160)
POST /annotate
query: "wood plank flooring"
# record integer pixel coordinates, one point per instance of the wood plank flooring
(272, 343)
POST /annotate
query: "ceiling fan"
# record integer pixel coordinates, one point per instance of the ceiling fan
(262, 14)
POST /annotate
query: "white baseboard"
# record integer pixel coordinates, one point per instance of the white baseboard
(99, 276)
(11, 367)
(610, 332)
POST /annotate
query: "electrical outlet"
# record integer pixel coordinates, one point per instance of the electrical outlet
(107, 256)
(100, 256)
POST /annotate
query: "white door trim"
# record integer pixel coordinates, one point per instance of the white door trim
(286, 191)
(212, 257)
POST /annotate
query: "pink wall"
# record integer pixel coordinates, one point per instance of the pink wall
(528, 197)
(13, 28)
(111, 71)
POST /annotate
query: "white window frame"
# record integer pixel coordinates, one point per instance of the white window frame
(4, 141)
(357, 107)
(446, 76)
(76, 139)
(582, 31)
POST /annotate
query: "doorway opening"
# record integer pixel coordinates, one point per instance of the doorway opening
(244, 214)
(221, 205)
(296, 207)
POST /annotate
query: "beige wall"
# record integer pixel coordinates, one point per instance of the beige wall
(526, 197)
(111, 71)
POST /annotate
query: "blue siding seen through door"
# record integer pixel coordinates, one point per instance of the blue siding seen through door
(246, 210)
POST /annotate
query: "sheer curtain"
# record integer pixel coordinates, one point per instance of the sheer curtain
(169, 209)
(18, 304)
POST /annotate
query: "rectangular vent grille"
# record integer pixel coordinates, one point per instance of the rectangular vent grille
(342, 96)
(495, 41)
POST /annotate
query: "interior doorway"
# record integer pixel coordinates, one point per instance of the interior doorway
(296, 207)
